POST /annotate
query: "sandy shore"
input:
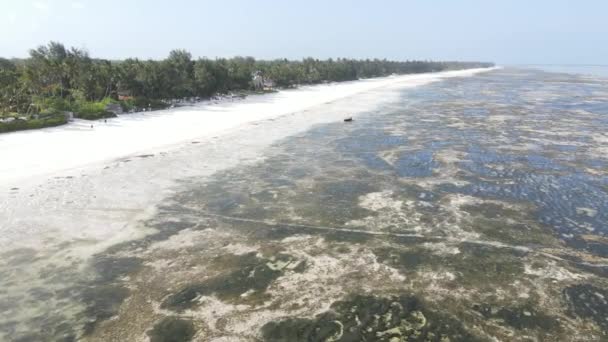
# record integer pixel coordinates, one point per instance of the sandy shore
(74, 183)
(42, 152)
(68, 193)
(452, 210)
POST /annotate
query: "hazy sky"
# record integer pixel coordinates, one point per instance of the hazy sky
(503, 31)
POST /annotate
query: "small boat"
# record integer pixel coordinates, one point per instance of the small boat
(348, 119)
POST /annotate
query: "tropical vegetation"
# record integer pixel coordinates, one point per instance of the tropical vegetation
(38, 91)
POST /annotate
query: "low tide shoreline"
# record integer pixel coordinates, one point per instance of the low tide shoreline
(72, 193)
(79, 143)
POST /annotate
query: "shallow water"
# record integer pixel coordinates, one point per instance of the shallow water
(470, 209)
(585, 70)
(80, 143)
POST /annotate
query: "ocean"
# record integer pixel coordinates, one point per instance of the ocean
(585, 70)
(474, 208)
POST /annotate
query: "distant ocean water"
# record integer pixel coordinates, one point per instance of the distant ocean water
(590, 70)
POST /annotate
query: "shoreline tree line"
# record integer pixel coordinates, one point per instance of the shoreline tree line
(37, 91)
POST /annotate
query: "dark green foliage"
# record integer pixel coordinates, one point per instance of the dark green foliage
(55, 78)
(18, 124)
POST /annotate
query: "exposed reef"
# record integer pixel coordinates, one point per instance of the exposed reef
(470, 210)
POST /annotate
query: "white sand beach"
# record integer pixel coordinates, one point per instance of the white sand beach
(91, 186)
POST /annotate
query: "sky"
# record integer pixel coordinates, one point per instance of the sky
(502, 31)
